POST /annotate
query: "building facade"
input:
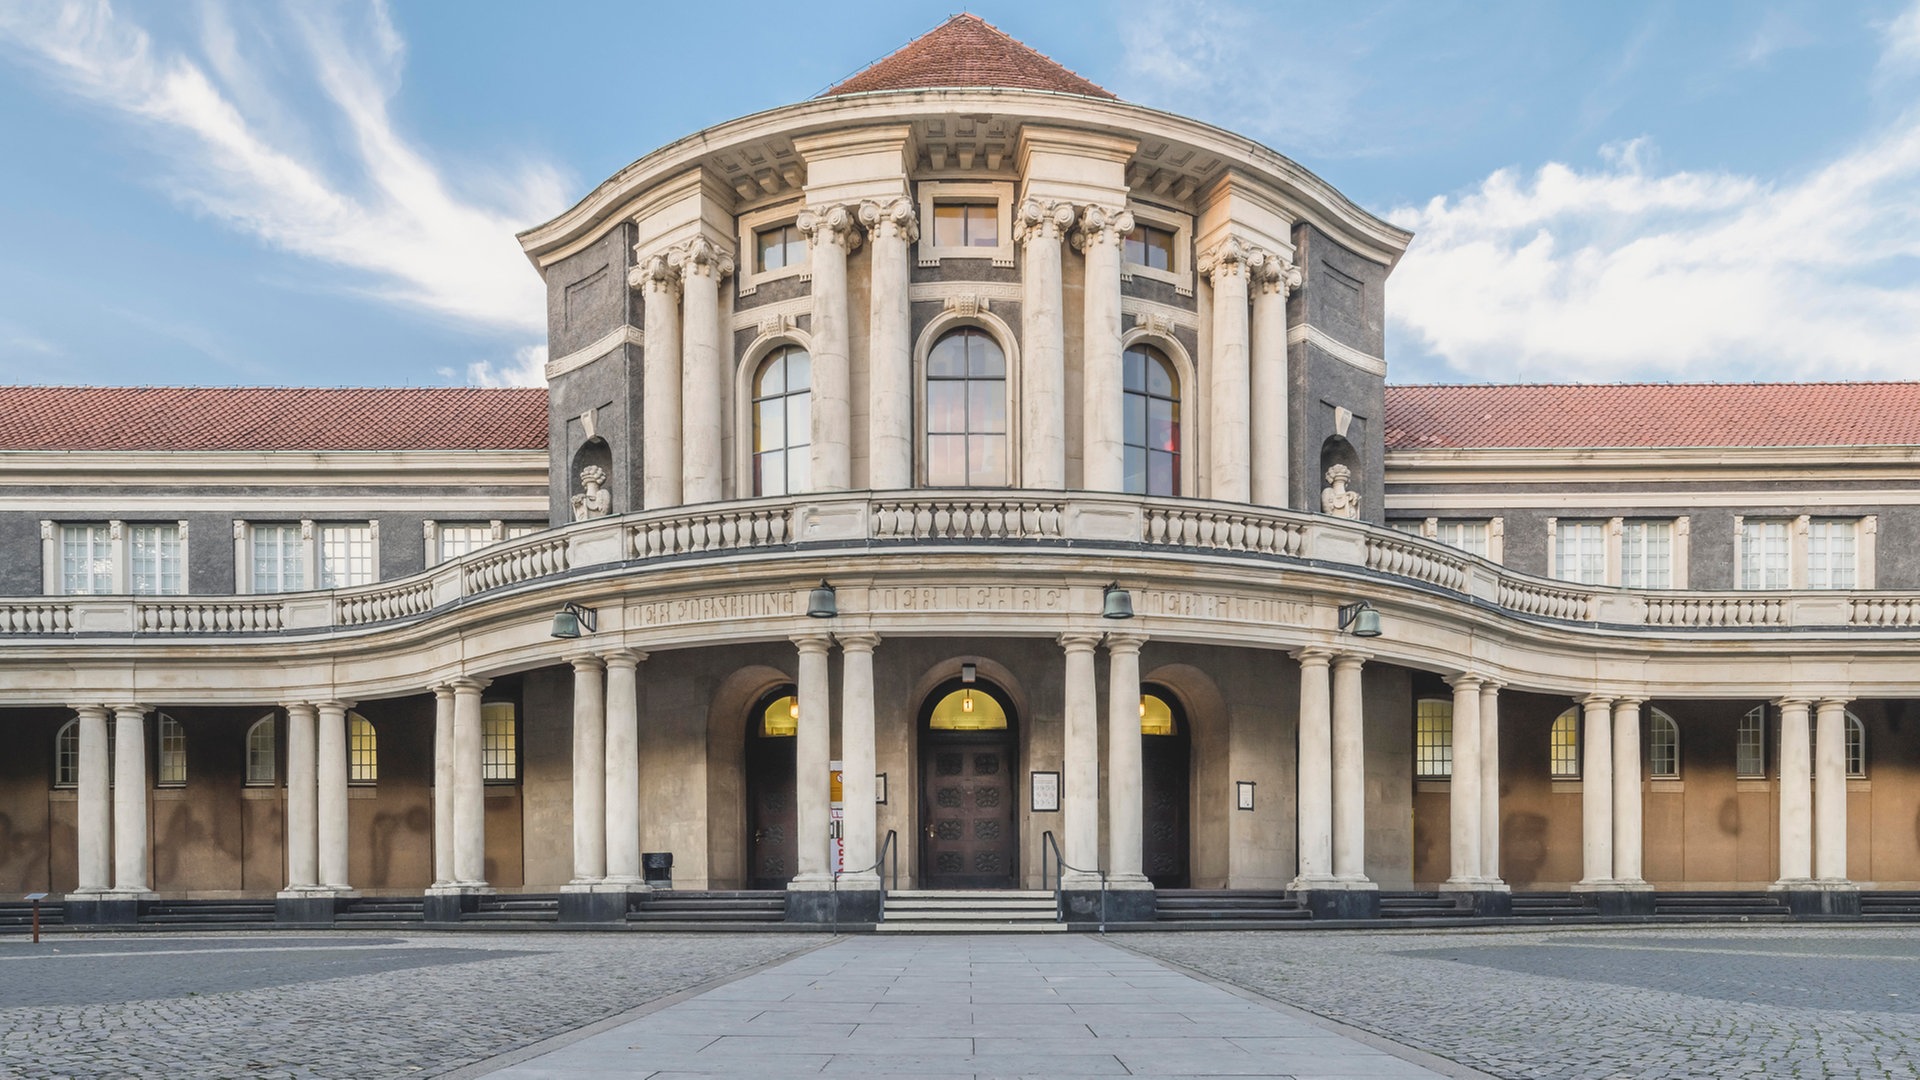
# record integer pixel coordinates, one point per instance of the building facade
(969, 468)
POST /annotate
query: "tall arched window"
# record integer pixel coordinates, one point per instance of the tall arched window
(1750, 745)
(66, 754)
(260, 751)
(966, 411)
(783, 423)
(1663, 747)
(1856, 747)
(172, 771)
(363, 751)
(1563, 745)
(1433, 738)
(1152, 406)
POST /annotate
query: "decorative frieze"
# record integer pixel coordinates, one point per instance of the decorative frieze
(755, 605)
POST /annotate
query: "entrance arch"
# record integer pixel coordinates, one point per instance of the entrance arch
(773, 848)
(969, 820)
(1166, 757)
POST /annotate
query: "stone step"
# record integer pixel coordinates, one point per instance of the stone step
(918, 927)
(700, 915)
(970, 894)
(1039, 903)
(894, 914)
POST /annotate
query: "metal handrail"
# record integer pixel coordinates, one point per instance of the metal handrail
(1049, 843)
(889, 851)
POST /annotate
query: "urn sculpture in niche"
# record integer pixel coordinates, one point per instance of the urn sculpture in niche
(1336, 498)
(595, 501)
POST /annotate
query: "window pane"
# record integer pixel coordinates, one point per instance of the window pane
(1136, 469)
(949, 225)
(772, 250)
(986, 406)
(983, 226)
(770, 472)
(946, 407)
(770, 428)
(1433, 738)
(799, 419)
(1133, 370)
(984, 358)
(155, 552)
(1160, 379)
(260, 763)
(172, 758)
(948, 360)
(363, 751)
(987, 460)
(1163, 474)
(773, 376)
(1750, 758)
(947, 460)
(1161, 425)
(346, 556)
(799, 371)
(86, 560)
(1563, 749)
(1134, 429)
(499, 754)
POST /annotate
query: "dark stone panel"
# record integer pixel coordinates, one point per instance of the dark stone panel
(1822, 903)
(210, 570)
(951, 269)
(1638, 902)
(587, 294)
(447, 908)
(403, 545)
(1899, 554)
(1159, 292)
(1121, 905)
(102, 912)
(303, 910)
(772, 292)
(594, 907)
(845, 907)
(20, 571)
(610, 388)
(1341, 903)
(1344, 294)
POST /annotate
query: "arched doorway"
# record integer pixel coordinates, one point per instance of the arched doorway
(968, 825)
(773, 849)
(1165, 769)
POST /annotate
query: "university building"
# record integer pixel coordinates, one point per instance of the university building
(961, 480)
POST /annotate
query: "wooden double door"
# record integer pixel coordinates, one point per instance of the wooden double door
(969, 834)
(773, 843)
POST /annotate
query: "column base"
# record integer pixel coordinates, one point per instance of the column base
(1126, 901)
(1338, 898)
(1617, 898)
(1820, 899)
(102, 908)
(447, 903)
(598, 901)
(311, 907)
(849, 907)
(1486, 898)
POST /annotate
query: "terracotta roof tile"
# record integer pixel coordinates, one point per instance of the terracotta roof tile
(180, 418)
(1653, 415)
(966, 50)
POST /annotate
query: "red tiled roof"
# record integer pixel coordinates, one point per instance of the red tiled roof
(270, 418)
(966, 50)
(1653, 415)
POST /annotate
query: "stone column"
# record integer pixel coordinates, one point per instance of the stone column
(1596, 791)
(1271, 281)
(623, 769)
(303, 852)
(95, 799)
(1043, 372)
(831, 232)
(1464, 787)
(331, 770)
(469, 786)
(1080, 802)
(1830, 791)
(1796, 793)
(589, 770)
(1627, 838)
(860, 823)
(1102, 425)
(660, 383)
(1490, 780)
(443, 773)
(891, 229)
(1349, 770)
(812, 753)
(704, 352)
(132, 845)
(1126, 809)
(1227, 403)
(1315, 732)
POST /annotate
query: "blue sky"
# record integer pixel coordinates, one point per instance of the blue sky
(227, 191)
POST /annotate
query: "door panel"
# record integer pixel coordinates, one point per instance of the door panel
(773, 848)
(1165, 800)
(967, 836)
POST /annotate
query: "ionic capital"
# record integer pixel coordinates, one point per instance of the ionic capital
(700, 258)
(1102, 225)
(1044, 221)
(833, 225)
(892, 220)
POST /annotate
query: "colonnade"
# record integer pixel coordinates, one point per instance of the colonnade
(115, 855)
(1331, 813)
(606, 772)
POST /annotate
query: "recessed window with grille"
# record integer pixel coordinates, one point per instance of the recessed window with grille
(1433, 738)
(279, 559)
(1563, 746)
(1646, 554)
(1663, 747)
(156, 564)
(172, 764)
(1830, 554)
(363, 751)
(1750, 749)
(260, 752)
(346, 556)
(1468, 536)
(1581, 552)
(86, 560)
(1764, 555)
(499, 742)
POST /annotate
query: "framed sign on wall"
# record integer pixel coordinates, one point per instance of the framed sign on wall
(1046, 792)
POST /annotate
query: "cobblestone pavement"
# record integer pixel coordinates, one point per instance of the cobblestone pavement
(347, 1005)
(1770, 1001)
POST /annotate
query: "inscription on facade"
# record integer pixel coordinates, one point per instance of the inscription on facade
(1243, 609)
(970, 598)
(714, 609)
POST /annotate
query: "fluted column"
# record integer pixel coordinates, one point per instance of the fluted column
(831, 232)
(1315, 785)
(623, 768)
(469, 785)
(589, 770)
(1349, 769)
(1103, 423)
(812, 755)
(443, 774)
(1080, 802)
(660, 383)
(703, 267)
(1596, 791)
(331, 772)
(891, 230)
(1830, 791)
(1228, 408)
(132, 844)
(1043, 372)
(1271, 281)
(859, 821)
(1796, 793)
(303, 850)
(1490, 780)
(1126, 807)
(95, 798)
(1627, 805)
(1464, 786)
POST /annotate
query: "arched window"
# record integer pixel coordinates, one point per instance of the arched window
(1433, 738)
(172, 771)
(499, 742)
(1157, 716)
(363, 751)
(260, 752)
(66, 754)
(1663, 747)
(1152, 406)
(967, 709)
(1750, 749)
(781, 718)
(966, 411)
(783, 423)
(1563, 746)
(1856, 747)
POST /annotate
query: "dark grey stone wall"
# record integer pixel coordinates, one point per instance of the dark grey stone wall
(1344, 296)
(952, 269)
(587, 299)
(587, 294)
(786, 288)
(1158, 292)
(20, 554)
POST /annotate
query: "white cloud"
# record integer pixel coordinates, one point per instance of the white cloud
(1903, 38)
(382, 209)
(1621, 272)
(527, 368)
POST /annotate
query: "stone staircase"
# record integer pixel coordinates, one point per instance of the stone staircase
(219, 913)
(516, 908)
(673, 908)
(1889, 905)
(1199, 909)
(1718, 906)
(1421, 905)
(18, 915)
(379, 911)
(971, 911)
(1552, 907)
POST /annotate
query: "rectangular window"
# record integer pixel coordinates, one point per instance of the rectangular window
(1663, 748)
(1150, 246)
(1830, 554)
(1410, 526)
(458, 540)
(279, 559)
(957, 225)
(1582, 552)
(363, 751)
(1433, 738)
(156, 569)
(171, 761)
(1750, 750)
(1646, 554)
(779, 247)
(86, 560)
(346, 556)
(1764, 558)
(1563, 746)
(1468, 536)
(499, 743)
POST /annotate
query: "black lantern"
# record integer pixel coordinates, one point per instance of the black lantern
(571, 618)
(1116, 602)
(821, 603)
(1361, 618)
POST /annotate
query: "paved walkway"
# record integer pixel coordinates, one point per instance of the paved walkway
(932, 1008)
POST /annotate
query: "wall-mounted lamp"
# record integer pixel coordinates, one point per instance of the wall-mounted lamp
(568, 621)
(1360, 618)
(821, 603)
(1116, 602)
